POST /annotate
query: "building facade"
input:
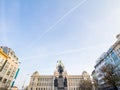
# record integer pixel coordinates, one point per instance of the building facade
(8, 67)
(112, 56)
(47, 82)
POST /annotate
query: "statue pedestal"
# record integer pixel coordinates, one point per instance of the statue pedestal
(60, 83)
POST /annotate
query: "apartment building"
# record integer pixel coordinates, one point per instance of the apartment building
(8, 67)
(111, 56)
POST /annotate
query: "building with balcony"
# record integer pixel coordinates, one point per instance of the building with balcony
(112, 56)
(8, 67)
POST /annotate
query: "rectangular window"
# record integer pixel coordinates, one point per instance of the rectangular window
(4, 81)
(33, 79)
(9, 81)
(0, 78)
(8, 73)
(37, 84)
(115, 57)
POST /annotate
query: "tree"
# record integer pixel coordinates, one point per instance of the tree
(111, 75)
(95, 83)
(86, 85)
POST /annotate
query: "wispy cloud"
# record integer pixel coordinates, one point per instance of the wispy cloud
(65, 52)
(82, 49)
(58, 21)
(70, 51)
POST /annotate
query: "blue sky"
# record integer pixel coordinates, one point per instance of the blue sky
(44, 31)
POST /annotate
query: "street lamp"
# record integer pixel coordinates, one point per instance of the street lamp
(24, 81)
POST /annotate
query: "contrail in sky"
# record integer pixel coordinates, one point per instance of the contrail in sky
(59, 20)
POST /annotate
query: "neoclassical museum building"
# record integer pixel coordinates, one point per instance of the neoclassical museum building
(59, 81)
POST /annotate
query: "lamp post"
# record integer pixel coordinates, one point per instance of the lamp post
(24, 81)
